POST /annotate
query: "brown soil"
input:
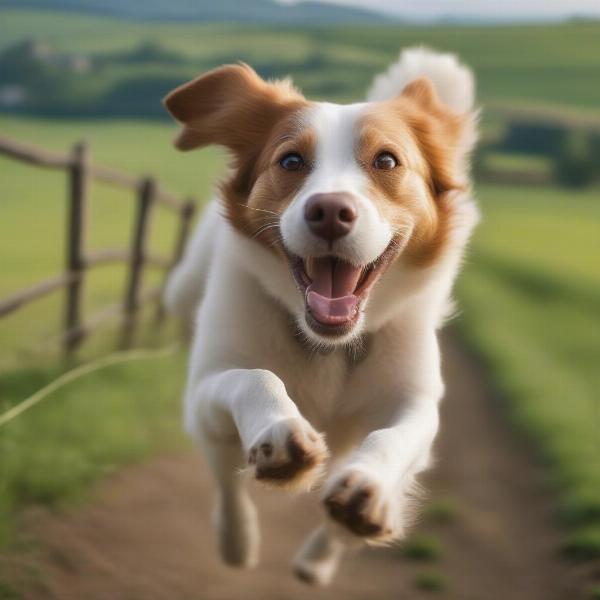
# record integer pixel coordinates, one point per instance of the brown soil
(147, 534)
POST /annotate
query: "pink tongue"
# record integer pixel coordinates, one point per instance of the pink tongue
(332, 311)
(330, 296)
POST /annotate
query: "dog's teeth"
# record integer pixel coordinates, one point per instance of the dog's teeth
(308, 267)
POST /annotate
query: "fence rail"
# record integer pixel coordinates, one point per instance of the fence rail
(147, 192)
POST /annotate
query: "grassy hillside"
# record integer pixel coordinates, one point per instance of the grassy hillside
(546, 64)
(530, 300)
(253, 11)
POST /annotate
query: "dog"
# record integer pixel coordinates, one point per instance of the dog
(316, 282)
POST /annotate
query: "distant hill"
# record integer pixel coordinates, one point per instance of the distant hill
(249, 11)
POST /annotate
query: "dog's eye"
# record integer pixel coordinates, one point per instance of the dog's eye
(385, 161)
(292, 162)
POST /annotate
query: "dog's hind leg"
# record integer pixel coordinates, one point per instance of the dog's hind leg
(318, 559)
(235, 516)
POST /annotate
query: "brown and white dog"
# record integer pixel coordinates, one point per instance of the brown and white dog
(319, 278)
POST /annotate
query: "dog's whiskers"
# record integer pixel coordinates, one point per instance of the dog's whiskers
(270, 212)
(261, 231)
(264, 228)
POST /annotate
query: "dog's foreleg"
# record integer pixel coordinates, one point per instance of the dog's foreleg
(369, 498)
(279, 444)
(244, 418)
(371, 495)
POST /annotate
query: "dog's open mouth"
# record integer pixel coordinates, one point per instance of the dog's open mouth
(334, 289)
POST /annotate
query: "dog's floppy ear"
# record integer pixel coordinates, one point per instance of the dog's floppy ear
(230, 106)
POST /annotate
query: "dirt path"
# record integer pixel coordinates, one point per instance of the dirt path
(148, 537)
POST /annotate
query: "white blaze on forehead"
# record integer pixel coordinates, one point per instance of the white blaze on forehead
(336, 130)
(336, 169)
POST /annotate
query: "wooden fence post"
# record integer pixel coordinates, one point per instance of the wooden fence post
(146, 196)
(81, 172)
(76, 226)
(185, 220)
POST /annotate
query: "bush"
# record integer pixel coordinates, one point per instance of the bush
(139, 96)
(574, 164)
(583, 545)
(534, 138)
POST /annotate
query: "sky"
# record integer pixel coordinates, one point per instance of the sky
(477, 9)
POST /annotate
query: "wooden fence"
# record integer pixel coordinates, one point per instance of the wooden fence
(148, 194)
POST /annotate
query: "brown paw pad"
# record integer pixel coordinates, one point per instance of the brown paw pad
(297, 458)
(283, 455)
(356, 505)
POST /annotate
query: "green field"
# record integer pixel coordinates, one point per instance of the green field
(118, 414)
(530, 302)
(551, 64)
(34, 207)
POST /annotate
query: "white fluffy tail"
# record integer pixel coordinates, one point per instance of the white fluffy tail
(453, 81)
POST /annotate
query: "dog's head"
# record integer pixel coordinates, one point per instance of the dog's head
(338, 192)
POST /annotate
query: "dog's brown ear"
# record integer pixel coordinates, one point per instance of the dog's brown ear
(422, 92)
(439, 131)
(230, 106)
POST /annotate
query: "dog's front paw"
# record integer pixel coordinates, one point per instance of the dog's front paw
(357, 501)
(289, 453)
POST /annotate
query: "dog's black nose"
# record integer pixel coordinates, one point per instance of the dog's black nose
(330, 216)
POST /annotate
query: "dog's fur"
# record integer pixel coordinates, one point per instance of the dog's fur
(273, 389)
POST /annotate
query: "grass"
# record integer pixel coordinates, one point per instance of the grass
(34, 205)
(120, 414)
(583, 545)
(551, 229)
(520, 163)
(431, 581)
(511, 62)
(442, 511)
(7, 592)
(530, 300)
(423, 548)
